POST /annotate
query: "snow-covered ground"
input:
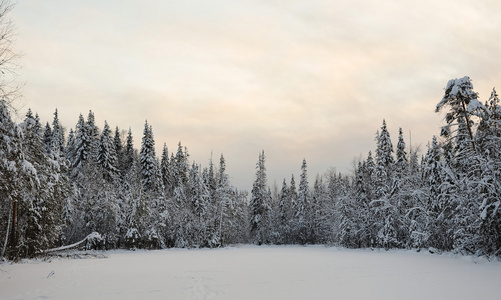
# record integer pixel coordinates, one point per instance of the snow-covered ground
(251, 272)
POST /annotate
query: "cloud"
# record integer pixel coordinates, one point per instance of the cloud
(299, 79)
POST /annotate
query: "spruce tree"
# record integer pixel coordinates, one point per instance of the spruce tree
(284, 214)
(82, 144)
(129, 155)
(166, 170)
(148, 160)
(321, 223)
(401, 163)
(259, 204)
(11, 181)
(302, 228)
(93, 135)
(489, 186)
(384, 152)
(433, 226)
(47, 139)
(119, 149)
(180, 165)
(107, 155)
(38, 213)
(223, 202)
(69, 151)
(58, 142)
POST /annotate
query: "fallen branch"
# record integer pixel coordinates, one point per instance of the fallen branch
(92, 239)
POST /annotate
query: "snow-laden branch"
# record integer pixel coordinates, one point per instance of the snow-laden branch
(93, 238)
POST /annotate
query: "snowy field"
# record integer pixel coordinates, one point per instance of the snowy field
(251, 272)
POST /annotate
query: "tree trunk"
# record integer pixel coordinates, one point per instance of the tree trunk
(13, 234)
(7, 233)
(467, 119)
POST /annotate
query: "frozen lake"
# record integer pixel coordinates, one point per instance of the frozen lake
(251, 272)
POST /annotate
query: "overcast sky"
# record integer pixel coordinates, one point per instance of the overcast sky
(298, 79)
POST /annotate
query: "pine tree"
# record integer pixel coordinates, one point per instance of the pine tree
(381, 206)
(119, 149)
(437, 206)
(402, 163)
(166, 170)
(58, 143)
(11, 180)
(211, 177)
(82, 144)
(355, 221)
(302, 227)
(129, 155)
(203, 216)
(93, 134)
(489, 186)
(223, 202)
(384, 152)
(199, 192)
(69, 151)
(293, 197)
(107, 155)
(134, 214)
(338, 190)
(148, 160)
(384, 164)
(259, 204)
(462, 100)
(47, 139)
(321, 221)
(283, 214)
(38, 218)
(180, 165)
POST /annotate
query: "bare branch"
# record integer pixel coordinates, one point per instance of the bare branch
(10, 90)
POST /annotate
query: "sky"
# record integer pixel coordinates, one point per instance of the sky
(298, 79)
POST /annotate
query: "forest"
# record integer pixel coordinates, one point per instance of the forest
(56, 188)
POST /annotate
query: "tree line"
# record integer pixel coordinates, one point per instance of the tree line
(448, 199)
(55, 190)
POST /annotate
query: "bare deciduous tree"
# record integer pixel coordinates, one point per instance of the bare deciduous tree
(9, 89)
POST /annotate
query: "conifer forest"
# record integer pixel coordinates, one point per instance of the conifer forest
(60, 183)
(56, 188)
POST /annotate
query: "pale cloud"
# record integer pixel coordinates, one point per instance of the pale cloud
(299, 79)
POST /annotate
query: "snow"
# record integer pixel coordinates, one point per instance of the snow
(93, 238)
(29, 168)
(251, 272)
(474, 105)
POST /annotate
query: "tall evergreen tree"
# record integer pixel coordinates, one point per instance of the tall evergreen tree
(260, 204)
(129, 155)
(58, 142)
(401, 163)
(11, 181)
(302, 228)
(320, 217)
(93, 135)
(462, 100)
(47, 139)
(82, 144)
(487, 191)
(180, 165)
(225, 203)
(119, 149)
(384, 152)
(166, 170)
(284, 214)
(148, 160)
(107, 156)
(69, 151)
